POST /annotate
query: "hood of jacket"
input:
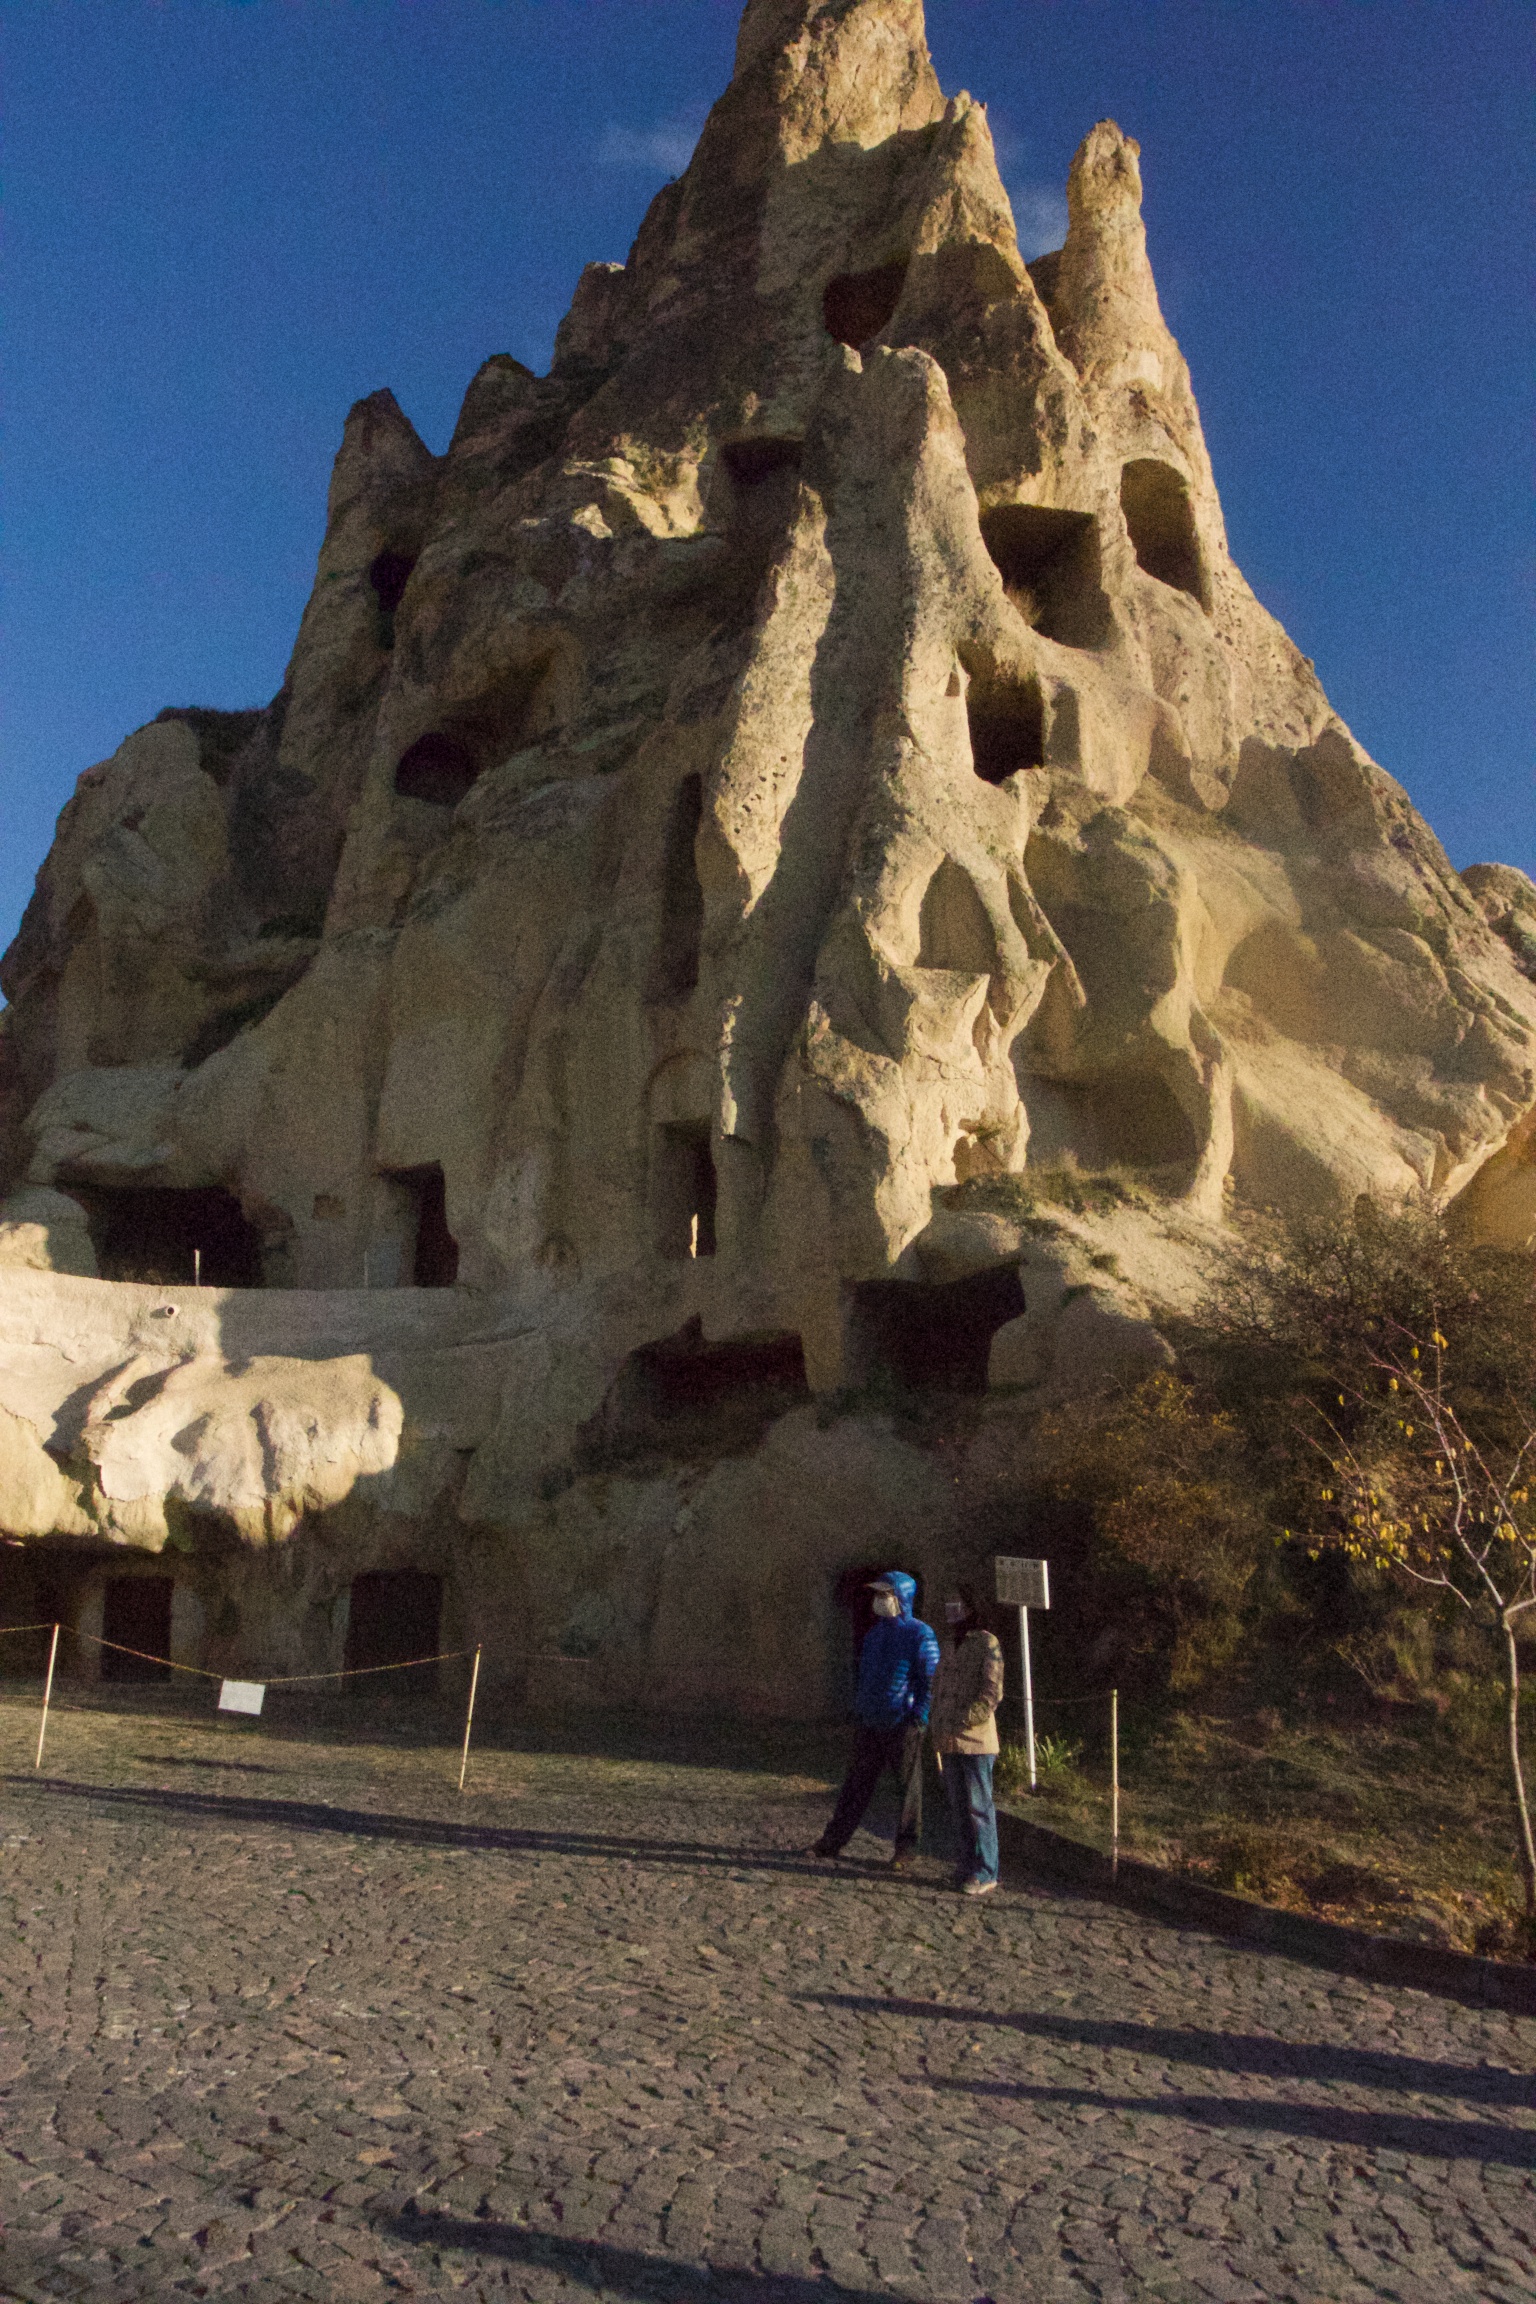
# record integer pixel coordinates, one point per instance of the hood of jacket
(904, 1587)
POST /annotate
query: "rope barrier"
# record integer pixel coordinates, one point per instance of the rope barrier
(282, 1679)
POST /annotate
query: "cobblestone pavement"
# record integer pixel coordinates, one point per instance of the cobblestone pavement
(289, 2018)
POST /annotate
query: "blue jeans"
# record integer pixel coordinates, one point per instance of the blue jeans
(968, 1781)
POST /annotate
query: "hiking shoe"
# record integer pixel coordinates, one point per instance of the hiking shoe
(978, 1887)
(901, 1861)
(820, 1849)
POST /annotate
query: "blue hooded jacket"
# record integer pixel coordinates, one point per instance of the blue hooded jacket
(896, 1664)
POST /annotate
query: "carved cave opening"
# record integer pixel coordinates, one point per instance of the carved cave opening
(1050, 566)
(395, 1614)
(933, 1337)
(953, 928)
(226, 1024)
(675, 963)
(389, 573)
(684, 1189)
(136, 1613)
(1161, 523)
(1007, 723)
(437, 768)
(1133, 1120)
(683, 1392)
(151, 1233)
(763, 476)
(431, 1258)
(857, 305)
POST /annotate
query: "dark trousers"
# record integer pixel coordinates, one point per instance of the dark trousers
(875, 1750)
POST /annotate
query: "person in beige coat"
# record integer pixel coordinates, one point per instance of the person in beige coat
(967, 1690)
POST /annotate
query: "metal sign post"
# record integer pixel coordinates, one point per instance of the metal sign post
(1024, 1584)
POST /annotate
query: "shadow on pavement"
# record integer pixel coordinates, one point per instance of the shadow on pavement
(427, 1832)
(611, 2271)
(1319, 2123)
(1228, 2051)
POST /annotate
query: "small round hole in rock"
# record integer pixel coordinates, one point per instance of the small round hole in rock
(436, 768)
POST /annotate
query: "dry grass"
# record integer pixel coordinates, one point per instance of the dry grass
(1396, 1821)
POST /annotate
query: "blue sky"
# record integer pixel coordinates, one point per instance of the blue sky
(224, 223)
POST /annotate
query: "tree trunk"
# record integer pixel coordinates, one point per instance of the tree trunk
(1517, 1774)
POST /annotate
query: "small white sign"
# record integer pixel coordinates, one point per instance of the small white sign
(1022, 1583)
(241, 1695)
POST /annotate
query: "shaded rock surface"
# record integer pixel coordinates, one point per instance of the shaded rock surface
(809, 752)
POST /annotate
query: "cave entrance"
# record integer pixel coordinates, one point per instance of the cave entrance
(933, 1337)
(675, 965)
(154, 1233)
(1007, 723)
(395, 1615)
(389, 574)
(857, 305)
(1161, 523)
(437, 768)
(683, 1189)
(683, 1393)
(764, 481)
(431, 1257)
(136, 1613)
(1049, 564)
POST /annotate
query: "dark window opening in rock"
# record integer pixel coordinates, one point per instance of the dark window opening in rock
(683, 1190)
(39, 1587)
(431, 1257)
(953, 927)
(136, 1614)
(395, 1615)
(156, 1233)
(934, 1338)
(683, 1392)
(1007, 719)
(1161, 521)
(1133, 1121)
(675, 967)
(1049, 563)
(226, 1024)
(437, 768)
(751, 463)
(857, 305)
(389, 575)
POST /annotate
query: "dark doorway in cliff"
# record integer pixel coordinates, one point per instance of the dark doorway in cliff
(857, 305)
(683, 1190)
(395, 1615)
(1049, 563)
(763, 480)
(153, 1233)
(389, 574)
(934, 1337)
(1007, 721)
(685, 1395)
(437, 768)
(431, 1257)
(136, 1614)
(1161, 522)
(675, 962)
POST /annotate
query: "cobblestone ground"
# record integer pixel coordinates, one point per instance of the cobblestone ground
(286, 2017)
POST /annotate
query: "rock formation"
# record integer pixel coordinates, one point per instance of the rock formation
(781, 783)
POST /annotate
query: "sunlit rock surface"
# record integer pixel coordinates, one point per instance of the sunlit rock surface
(807, 761)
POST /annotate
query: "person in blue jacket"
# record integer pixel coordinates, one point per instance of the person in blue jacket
(896, 1666)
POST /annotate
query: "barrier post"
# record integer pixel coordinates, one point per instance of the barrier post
(474, 1682)
(1114, 1783)
(42, 1726)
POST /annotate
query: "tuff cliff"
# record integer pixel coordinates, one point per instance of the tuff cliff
(783, 777)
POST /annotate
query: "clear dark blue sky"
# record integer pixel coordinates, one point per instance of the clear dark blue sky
(224, 223)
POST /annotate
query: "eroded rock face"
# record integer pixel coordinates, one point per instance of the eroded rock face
(809, 752)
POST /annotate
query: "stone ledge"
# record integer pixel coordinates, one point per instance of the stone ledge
(1326, 1943)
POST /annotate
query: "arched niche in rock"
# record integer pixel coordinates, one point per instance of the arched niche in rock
(1160, 520)
(953, 928)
